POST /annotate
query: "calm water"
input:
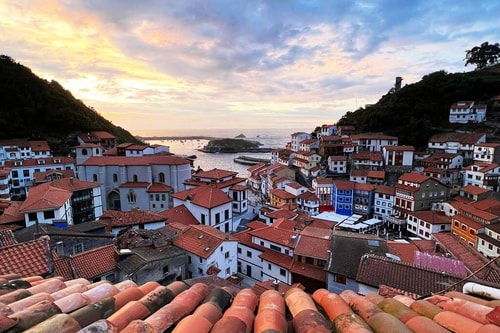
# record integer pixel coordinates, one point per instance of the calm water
(273, 138)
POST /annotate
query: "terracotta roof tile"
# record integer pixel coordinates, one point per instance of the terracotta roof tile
(204, 196)
(201, 240)
(179, 214)
(27, 259)
(88, 264)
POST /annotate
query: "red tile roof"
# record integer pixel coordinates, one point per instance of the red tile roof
(277, 258)
(310, 271)
(45, 197)
(217, 174)
(7, 238)
(115, 218)
(277, 235)
(139, 160)
(179, 214)
(201, 240)
(30, 258)
(312, 247)
(159, 188)
(204, 196)
(88, 265)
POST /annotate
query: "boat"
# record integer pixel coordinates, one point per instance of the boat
(248, 160)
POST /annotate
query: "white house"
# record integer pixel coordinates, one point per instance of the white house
(487, 152)
(66, 201)
(465, 112)
(337, 164)
(297, 138)
(21, 149)
(22, 172)
(488, 241)
(323, 189)
(384, 198)
(456, 142)
(373, 141)
(209, 251)
(327, 130)
(209, 205)
(484, 175)
(398, 156)
(427, 222)
(306, 161)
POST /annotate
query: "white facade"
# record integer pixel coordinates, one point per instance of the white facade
(487, 152)
(424, 229)
(337, 164)
(23, 171)
(398, 156)
(297, 138)
(224, 257)
(249, 262)
(373, 142)
(122, 178)
(61, 213)
(467, 112)
(382, 204)
(271, 271)
(219, 217)
(484, 175)
(488, 242)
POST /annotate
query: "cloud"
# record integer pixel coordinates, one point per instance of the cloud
(185, 63)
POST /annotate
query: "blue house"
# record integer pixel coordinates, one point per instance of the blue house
(364, 199)
(343, 197)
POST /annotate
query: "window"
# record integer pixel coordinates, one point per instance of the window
(49, 214)
(249, 254)
(464, 227)
(239, 250)
(275, 248)
(135, 178)
(26, 173)
(202, 218)
(226, 255)
(32, 216)
(115, 178)
(131, 197)
(161, 177)
(94, 177)
(189, 260)
(341, 279)
(78, 248)
(282, 272)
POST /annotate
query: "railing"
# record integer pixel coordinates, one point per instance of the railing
(395, 220)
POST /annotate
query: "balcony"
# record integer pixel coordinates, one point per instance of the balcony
(395, 220)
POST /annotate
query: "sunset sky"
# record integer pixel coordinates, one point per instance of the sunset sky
(155, 66)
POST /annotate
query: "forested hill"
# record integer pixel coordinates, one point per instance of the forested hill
(419, 110)
(33, 108)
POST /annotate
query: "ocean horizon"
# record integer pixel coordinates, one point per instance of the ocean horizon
(223, 132)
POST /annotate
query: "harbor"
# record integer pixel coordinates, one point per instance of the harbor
(249, 160)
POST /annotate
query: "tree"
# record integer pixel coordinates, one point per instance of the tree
(482, 56)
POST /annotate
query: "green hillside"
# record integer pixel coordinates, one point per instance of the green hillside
(419, 110)
(33, 108)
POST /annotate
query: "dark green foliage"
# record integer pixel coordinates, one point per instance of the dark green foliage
(33, 108)
(419, 110)
(484, 55)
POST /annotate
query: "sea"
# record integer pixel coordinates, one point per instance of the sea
(184, 146)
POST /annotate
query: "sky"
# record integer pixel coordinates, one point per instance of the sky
(155, 67)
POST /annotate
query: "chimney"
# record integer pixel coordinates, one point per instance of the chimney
(275, 284)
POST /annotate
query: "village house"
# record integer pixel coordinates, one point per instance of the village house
(5, 183)
(474, 193)
(384, 198)
(366, 159)
(209, 251)
(456, 143)
(344, 256)
(398, 157)
(337, 164)
(100, 138)
(297, 138)
(425, 223)
(487, 152)
(62, 202)
(22, 172)
(279, 198)
(323, 189)
(373, 141)
(483, 175)
(473, 217)
(332, 145)
(307, 163)
(343, 196)
(309, 145)
(366, 176)
(227, 181)
(465, 112)
(23, 149)
(488, 241)
(445, 167)
(210, 205)
(308, 202)
(363, 200)
(327, 130)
